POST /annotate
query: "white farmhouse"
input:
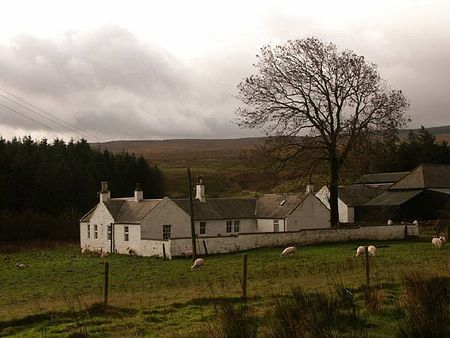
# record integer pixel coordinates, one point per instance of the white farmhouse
(147, 227)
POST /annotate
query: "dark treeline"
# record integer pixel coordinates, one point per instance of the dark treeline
(46, 187)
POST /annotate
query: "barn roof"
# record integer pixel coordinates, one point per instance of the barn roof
(381, 178)
(394, 198)
(219, 208)
(354, 195)
(425, 176)
(277, 205)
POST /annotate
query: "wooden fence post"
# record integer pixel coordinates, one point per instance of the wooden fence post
(106, 283)
(164, 251)
(366, 249)
(244, 277)
(206, 249)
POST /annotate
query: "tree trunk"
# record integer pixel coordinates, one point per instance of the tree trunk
(334, 183)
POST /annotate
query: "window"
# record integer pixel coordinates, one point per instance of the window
(95, 231)
(276, 225)
(229, 226)
(166, 231)
(202, 228)
(236, 226)
(89, 231)
(126, 233)
(110, 232)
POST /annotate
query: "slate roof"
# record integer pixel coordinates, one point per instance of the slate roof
(393, 198)
(219, 208)
(425, 176)
(381, 178)
(355, 195)
(272, 205)
(125, 210)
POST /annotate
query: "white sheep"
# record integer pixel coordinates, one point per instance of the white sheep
(20, 266)
(197, 263)
(372, 250)
(290, 250)
(443, 239)
(437, 243)
(360, 251)
(389, 222)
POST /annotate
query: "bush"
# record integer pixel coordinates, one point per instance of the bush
(426, 301)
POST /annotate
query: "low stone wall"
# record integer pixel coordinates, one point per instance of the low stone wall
(246, 241)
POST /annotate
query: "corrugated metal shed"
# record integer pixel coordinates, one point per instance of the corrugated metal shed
(393, 198)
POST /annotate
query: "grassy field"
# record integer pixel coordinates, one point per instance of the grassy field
(58, 293)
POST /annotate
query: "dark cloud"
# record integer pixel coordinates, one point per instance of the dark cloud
(112, 85)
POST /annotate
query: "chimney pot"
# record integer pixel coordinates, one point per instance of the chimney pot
(105, 194)
(138, 193)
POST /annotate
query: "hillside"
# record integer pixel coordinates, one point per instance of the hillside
(217, 160)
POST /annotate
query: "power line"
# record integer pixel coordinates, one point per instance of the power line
(31, 119)
(72, 127)
(41, 115)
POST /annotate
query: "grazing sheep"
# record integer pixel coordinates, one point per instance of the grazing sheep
(437, 243)
(290, 250)
(197, 263)
(360, 251)
(415, 222)
(389, 222)
(20, 266)
(443, 240)
(372, 250)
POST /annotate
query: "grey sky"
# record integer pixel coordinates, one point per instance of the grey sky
(171, 70)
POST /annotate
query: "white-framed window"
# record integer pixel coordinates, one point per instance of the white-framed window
(88, 231)
(233, 226)
(276, 225)
(236, 226)
(202, 228)
(126, 233)
(229, 226)
(166, 231)
(95, 231)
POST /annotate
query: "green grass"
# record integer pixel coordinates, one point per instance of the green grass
(56, 294)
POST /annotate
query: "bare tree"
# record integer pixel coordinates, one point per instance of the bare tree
(331, 97)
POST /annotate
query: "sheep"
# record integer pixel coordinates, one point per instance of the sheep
(197, 263)
(437, 243)
(443, 240)
(290, 250)
(372, 250)
(20, 266)
(360, 251)
(389, 222)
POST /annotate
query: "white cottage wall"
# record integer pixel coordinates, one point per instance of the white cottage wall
(310, 214)
(219, 227)
(267, 225)
(346, 213)
(166, 212)
(102, 219)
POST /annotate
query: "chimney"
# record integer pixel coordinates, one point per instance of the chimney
(200, 190)
(310, 188)
(138, 193)
(105, 194)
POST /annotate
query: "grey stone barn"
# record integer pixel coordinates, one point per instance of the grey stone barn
(138, 225)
